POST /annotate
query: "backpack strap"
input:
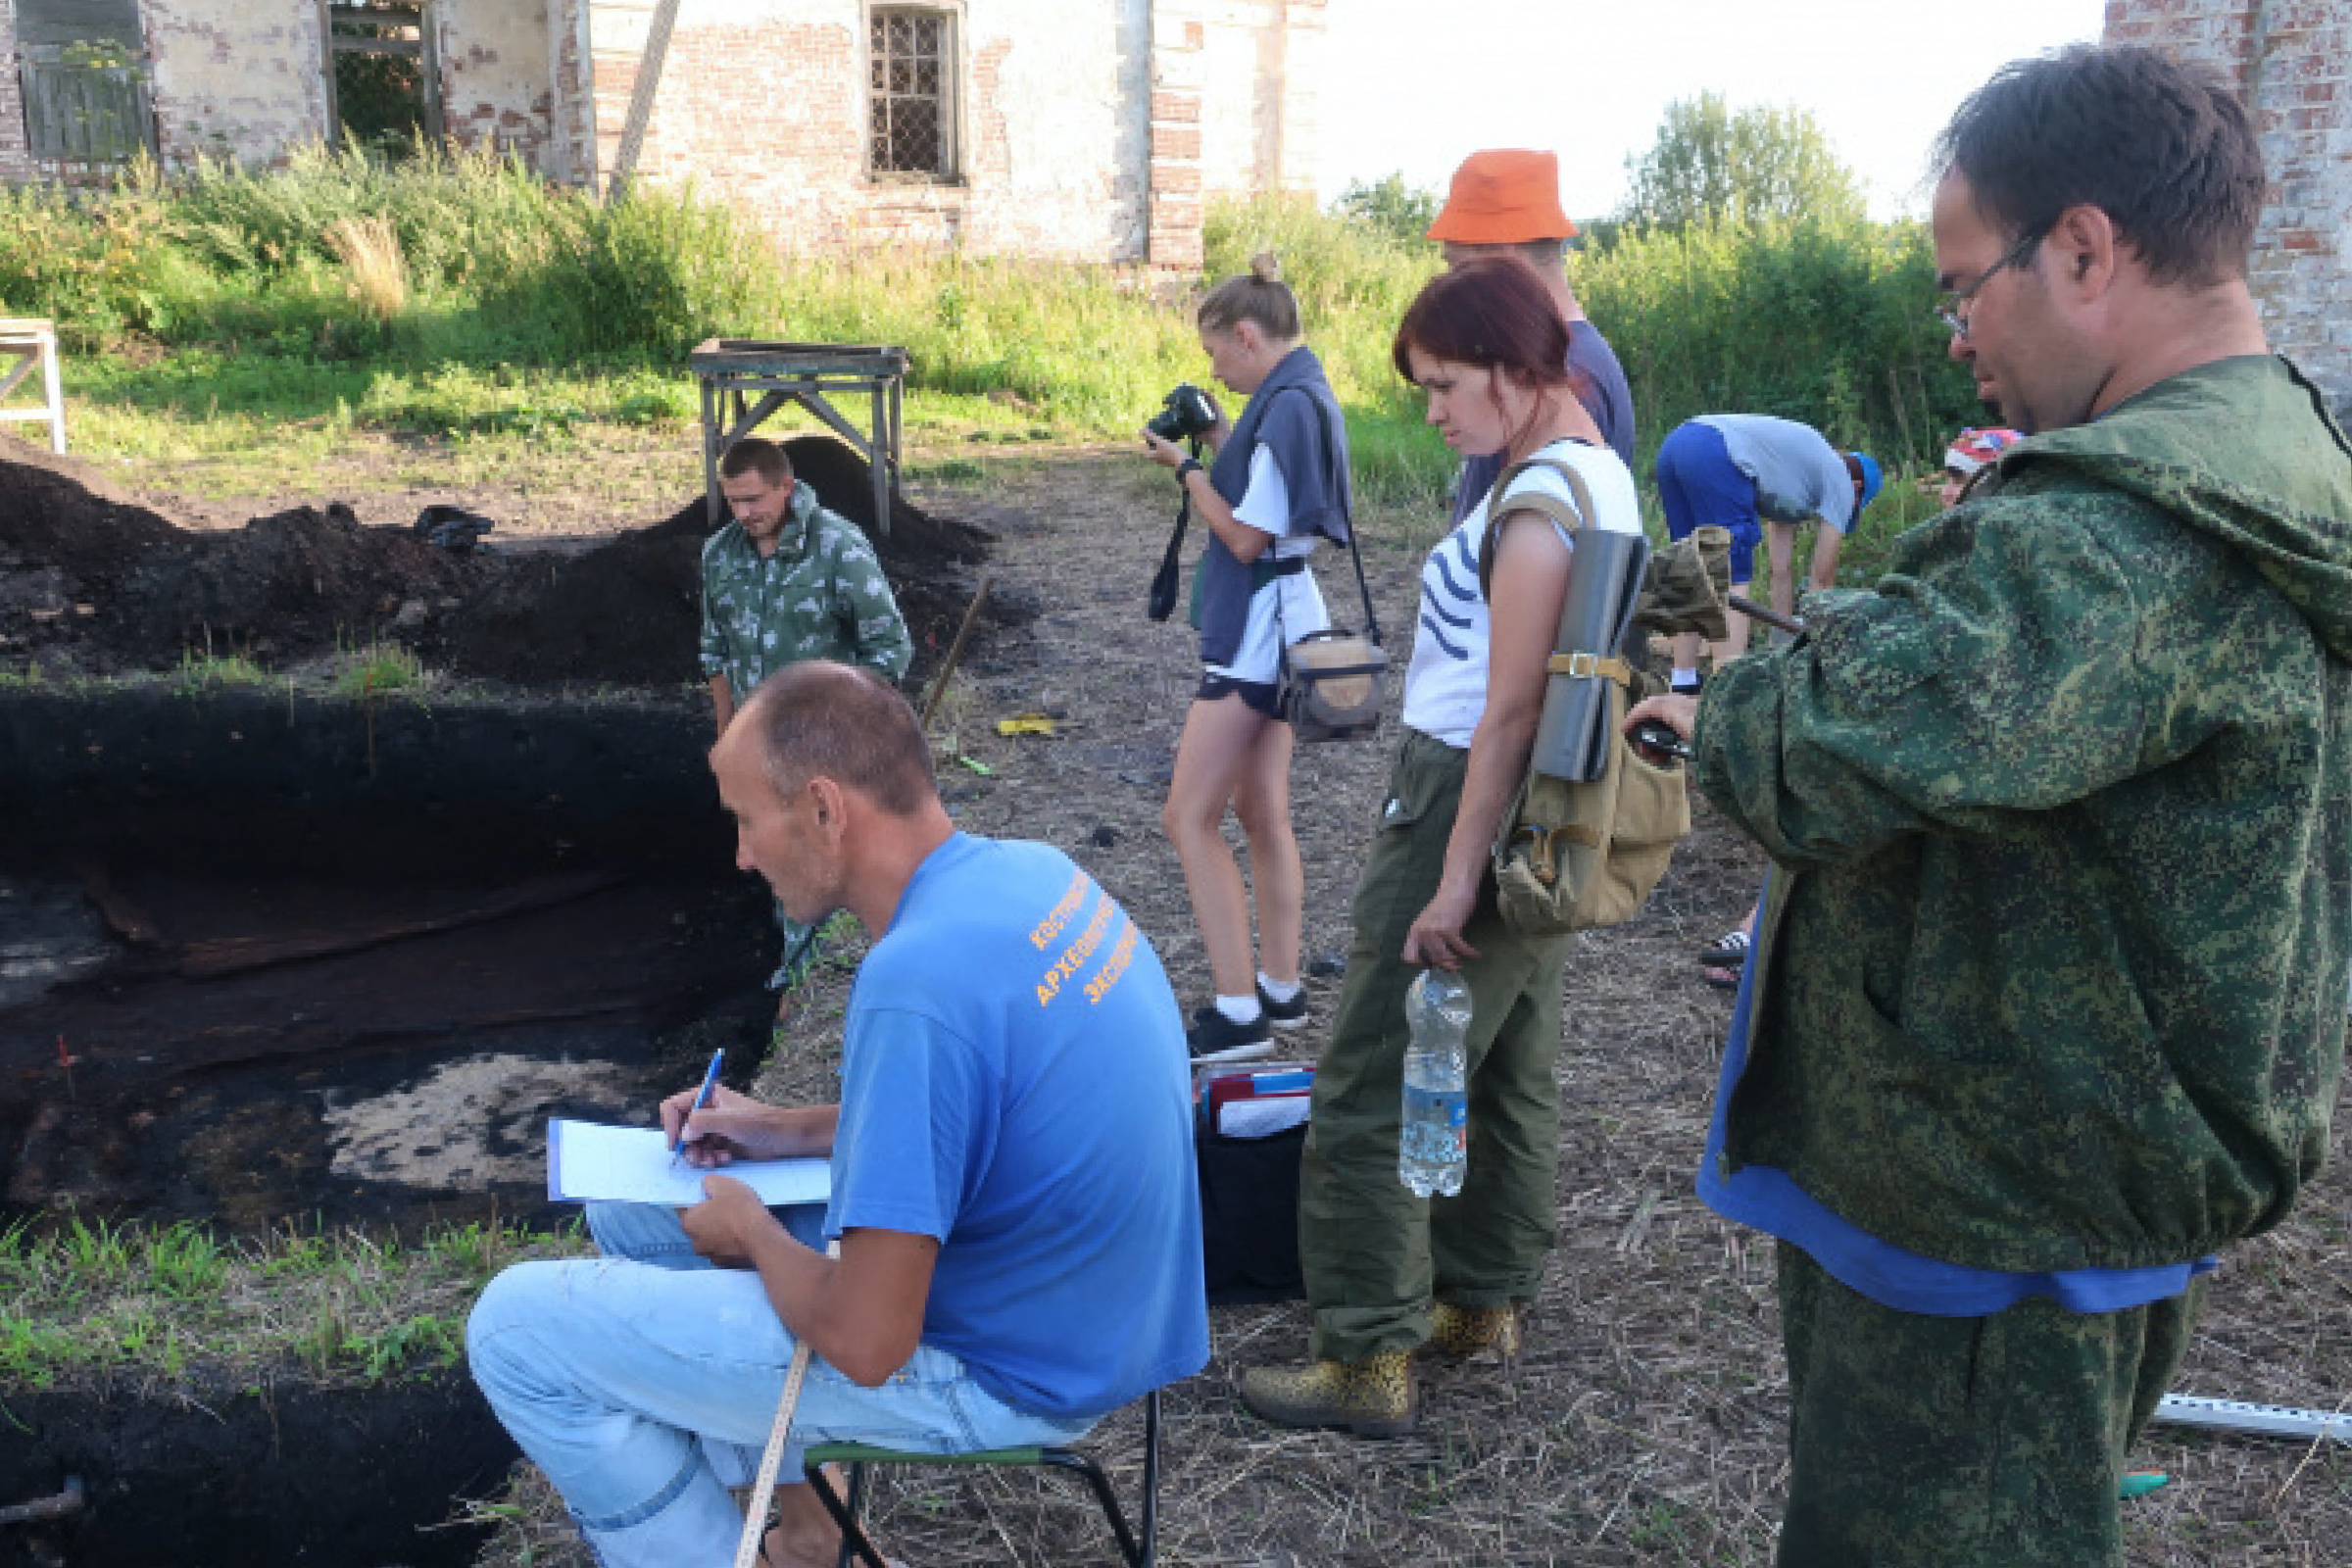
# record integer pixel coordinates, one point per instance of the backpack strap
(1583, 665)
(1568, 516)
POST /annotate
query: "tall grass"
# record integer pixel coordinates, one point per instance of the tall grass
(529, 308)
(369, 249)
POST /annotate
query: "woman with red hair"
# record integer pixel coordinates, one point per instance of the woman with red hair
(1487, 345)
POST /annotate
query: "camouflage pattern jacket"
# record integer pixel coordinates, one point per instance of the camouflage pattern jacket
(2053, 975)
(821, 595)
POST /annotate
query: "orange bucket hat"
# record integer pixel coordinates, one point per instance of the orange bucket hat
(1503, 196)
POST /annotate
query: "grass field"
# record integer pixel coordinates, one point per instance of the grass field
(256, 323)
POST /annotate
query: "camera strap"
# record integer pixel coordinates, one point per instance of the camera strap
(1162, 603)
(1371, 621)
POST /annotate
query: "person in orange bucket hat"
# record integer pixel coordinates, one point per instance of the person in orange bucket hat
(1505, 201)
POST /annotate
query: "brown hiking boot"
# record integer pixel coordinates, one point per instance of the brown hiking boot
(1467, 1329)
(1371, 1399)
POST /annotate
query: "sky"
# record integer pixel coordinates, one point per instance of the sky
(1403, 91)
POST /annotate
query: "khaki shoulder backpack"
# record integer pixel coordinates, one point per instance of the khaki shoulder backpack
(1594, 824)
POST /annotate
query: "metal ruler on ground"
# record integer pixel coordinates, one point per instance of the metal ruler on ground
(2260, 1420)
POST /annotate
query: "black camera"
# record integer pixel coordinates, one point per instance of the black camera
(1183, 412)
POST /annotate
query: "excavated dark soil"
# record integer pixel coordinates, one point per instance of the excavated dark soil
(263, 1475)
(266, 952)
(98, 585)
(264, 958)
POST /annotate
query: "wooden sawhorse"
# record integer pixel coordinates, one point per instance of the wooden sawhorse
(32, 341)
(727, 368)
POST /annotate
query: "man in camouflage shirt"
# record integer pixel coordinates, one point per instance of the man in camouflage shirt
(2046, 1003)
(786, 581)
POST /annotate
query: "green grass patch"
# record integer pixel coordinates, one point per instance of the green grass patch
(87, 1300)
(203, 672)
(378, 669)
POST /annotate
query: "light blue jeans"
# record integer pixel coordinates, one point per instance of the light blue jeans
(644, 1383)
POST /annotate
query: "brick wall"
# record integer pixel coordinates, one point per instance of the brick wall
(16, 157)
(497, 76)
(1179, 77)
(235, 80)
(765, 100)
(1089, 129)
(1257, 93)
(2289, 60)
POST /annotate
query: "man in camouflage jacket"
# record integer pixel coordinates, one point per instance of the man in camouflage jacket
(2047, 1000)
(788, 580)
(785, 581)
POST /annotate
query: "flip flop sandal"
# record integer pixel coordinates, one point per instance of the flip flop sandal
(1722, 979)
(1728, 954)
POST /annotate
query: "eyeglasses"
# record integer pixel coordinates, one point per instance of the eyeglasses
(1953, 312)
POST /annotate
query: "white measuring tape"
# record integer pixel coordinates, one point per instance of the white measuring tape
(2261, 1420)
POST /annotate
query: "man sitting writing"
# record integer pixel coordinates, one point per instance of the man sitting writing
(1011, 1163)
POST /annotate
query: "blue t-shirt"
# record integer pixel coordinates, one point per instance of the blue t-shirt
(1894, 1276)
(1015, 1082)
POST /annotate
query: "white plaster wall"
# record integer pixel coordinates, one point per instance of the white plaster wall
(239, 80)
(497, 77)
(765, 100)
(1238, 135)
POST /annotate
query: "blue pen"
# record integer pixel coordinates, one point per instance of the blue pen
(702, 1098)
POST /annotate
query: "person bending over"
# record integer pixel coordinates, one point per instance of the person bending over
(1013, 1180)
(1279, 483)
(2046, 1000)
(1743, 472)
(1487, 345)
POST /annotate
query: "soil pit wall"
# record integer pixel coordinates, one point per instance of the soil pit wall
(324, 961)
(268, 956)
(248, 1477)
(321, 959)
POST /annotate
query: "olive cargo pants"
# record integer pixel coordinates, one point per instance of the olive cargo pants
(1995, 1442)
(1372, 1253)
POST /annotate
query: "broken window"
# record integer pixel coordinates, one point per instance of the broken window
(83, 65)
(383, 83)
(911, 55)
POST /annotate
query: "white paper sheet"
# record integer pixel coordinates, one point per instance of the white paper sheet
(586, 1159)
(1262, 1117)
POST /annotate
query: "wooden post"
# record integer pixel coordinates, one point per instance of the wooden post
(641, 98)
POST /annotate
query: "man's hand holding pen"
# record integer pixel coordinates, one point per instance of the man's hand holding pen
(730, 1127)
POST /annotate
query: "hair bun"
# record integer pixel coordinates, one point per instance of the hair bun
(1266, 267)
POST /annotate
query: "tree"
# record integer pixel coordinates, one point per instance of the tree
(1390, 207)
(1711, 162)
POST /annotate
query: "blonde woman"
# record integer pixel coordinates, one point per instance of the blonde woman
(1277, 485)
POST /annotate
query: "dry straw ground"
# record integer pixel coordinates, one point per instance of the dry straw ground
(1644, 1423)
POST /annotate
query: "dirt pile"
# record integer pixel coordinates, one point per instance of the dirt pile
(93, 584)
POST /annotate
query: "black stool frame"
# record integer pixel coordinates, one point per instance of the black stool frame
(856, 1546)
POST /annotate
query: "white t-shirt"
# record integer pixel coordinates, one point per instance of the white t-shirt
(1446, 684)
(1288, 607)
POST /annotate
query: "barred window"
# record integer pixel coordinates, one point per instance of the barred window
(912, 91)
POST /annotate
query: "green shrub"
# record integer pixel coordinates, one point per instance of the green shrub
(1829, 322)
(656, 271)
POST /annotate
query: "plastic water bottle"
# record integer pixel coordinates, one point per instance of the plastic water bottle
(1433, 1149)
